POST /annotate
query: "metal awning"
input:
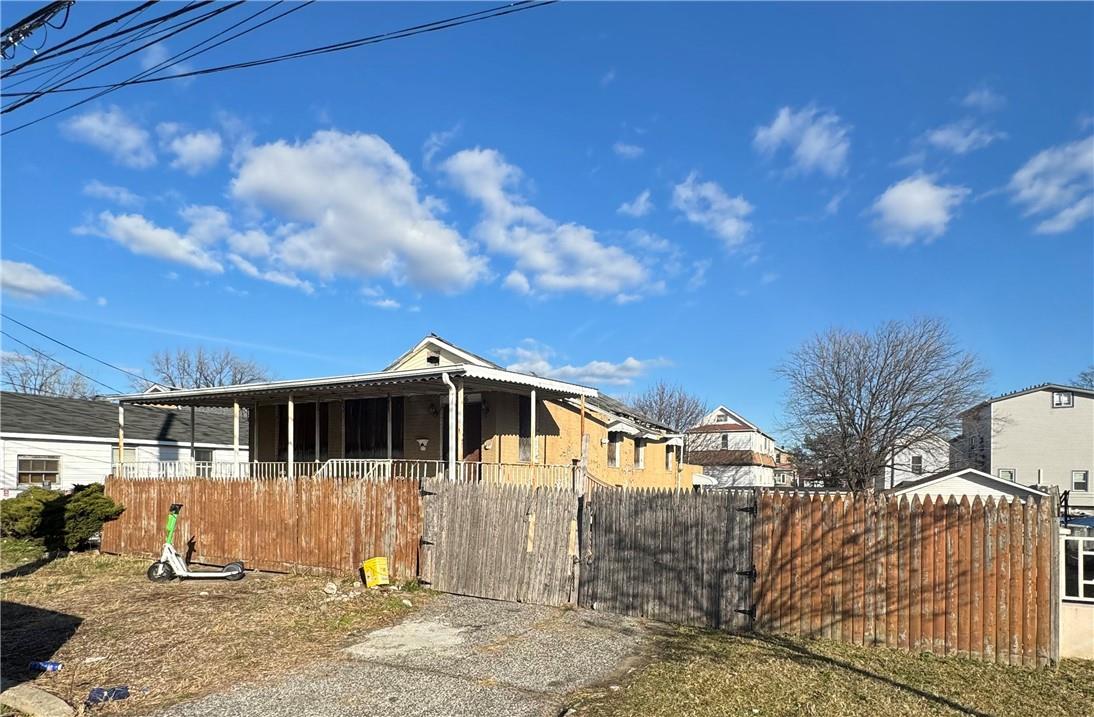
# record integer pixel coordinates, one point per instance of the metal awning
(381, 383)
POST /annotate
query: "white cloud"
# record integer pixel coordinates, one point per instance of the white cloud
(27, 281)
(698, 276)
(984, 99)
(628, 151)
(350, 205)
(141, 236)
(531, 356)
(518, 282)
(607, 78)
(831, 208)
(708, 205)
(113, 193)
(963, 136)
(436, 142)
(388, 304)
(194, 152)
(551, 257)
(916, 209)
(271, 275)
(769, 277)
(111, 131)
(1058, 183)
(157, 54)
(101, 301)
(640, 206)
(818, 140)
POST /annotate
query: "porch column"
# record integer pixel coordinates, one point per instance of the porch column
(235, 432)
(318, 407)
(193, 440)
(389, 453)
(290, 430)
(532, 427)
(459, 419)
(121, 438)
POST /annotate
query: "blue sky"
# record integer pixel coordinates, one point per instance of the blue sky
(610, 193)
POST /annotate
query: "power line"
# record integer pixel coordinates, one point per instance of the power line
(73, 348)
(13, 35)
(433, 26)
(58, 362)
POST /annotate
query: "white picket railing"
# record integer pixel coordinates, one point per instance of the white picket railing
(555, 476)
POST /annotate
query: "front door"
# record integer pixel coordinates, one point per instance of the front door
(472, 432)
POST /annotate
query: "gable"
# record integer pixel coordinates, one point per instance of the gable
(723, 415)
(433, 351)
(966, 482)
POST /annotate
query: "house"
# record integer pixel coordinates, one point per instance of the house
(969, 482)
(731, 450)
(406, 418)
(62, 442)
(1040, 436)
(786, 473)
(929, 455)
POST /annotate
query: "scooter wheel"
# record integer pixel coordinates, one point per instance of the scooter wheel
(160, 572)
(236, 570)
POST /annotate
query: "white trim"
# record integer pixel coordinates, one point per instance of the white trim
(98, 439)
(548, 384)
(440, 343)
(1006, 485)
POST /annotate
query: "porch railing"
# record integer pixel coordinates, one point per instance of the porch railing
(555, 476)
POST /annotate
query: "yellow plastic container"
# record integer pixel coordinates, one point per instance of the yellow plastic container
(375, 572)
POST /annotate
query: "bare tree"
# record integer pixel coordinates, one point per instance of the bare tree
(873, 394)
(671, 405)
(39, 375)
(1085, 379)
(201, 368)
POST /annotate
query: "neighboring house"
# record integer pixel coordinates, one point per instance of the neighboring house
(1040, 436)
(731, 450)
(786, 473)
(61, 442)
(960, 482)
(930, 455)
(438, 395)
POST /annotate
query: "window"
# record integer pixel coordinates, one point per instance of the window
(203, 455)
(722, 418)
(1062, 399)
(917, 465)
(669, 450)
(725, 441)
(130, 455)
(39, 470)
(615, 439)
(1080, 480)
(524, 426)
(639, 452)
(1078, 569)
(1008, 474)
(365, 429)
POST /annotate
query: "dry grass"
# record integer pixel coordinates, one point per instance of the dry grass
(168, 642)
(706, 674)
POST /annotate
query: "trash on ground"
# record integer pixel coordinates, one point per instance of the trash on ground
(89, 660)
(375, 572)
(407, 602)
(100, 695)
(46, 665)
(330, 588)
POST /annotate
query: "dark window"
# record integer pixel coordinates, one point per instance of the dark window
(303, 432)
(615, 440)
(725, 441)
(366, 428)
(1062, 399)
(524, 421)
(917, 465)
(39, 470)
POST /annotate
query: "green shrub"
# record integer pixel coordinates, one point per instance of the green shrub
(85, 512)
(56, 519)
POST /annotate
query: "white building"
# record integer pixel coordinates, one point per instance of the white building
(1040, 436)
(964, 482)
(732, 451)
(929, 455)
(62, 442)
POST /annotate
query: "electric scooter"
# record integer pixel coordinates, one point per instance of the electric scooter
(171, 565)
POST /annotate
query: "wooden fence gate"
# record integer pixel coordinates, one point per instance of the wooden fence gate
(499, 541)
(678, 557)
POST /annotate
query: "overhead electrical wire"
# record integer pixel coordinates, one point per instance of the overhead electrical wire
(433, 26)
(46, 356)
(76, 350)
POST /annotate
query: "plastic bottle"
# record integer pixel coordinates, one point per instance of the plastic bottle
(46, 665)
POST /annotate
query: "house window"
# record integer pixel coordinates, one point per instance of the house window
(130, 455)
(1062, 399)
(524, 421)
(39, 470)
(203, 455)
(639, 452)
(1080, 481)
(365, 427)
(722, 418)
(1008, 474)
(669, 450)
(917, 465)
(725, 441)
(615, 440)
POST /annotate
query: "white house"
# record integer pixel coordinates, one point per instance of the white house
(965, 482)
(732, 451)
(1040, 436)
(61, 442)
(929, 455)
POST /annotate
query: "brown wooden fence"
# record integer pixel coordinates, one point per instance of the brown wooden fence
(308, 524)
(680, 557)
(976, 579)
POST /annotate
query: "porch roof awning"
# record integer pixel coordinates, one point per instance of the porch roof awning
(380, 383)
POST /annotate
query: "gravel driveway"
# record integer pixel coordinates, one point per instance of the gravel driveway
(458, 656)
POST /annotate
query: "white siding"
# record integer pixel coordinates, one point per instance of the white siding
(958, 485)
(741, 476)
(934, 453)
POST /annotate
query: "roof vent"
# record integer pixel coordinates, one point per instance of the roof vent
(433, 359)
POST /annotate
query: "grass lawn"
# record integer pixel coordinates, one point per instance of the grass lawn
(109, 625)
(698, 673)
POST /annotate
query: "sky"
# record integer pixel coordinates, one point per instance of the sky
(612, 194)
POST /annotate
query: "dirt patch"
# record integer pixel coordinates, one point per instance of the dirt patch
(110, 626)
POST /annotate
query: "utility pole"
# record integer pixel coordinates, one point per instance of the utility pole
(15, 34)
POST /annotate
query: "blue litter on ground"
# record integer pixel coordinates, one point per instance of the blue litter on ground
(99, 695)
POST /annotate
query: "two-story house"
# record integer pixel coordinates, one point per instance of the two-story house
(1039, 436)
(731, 450)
